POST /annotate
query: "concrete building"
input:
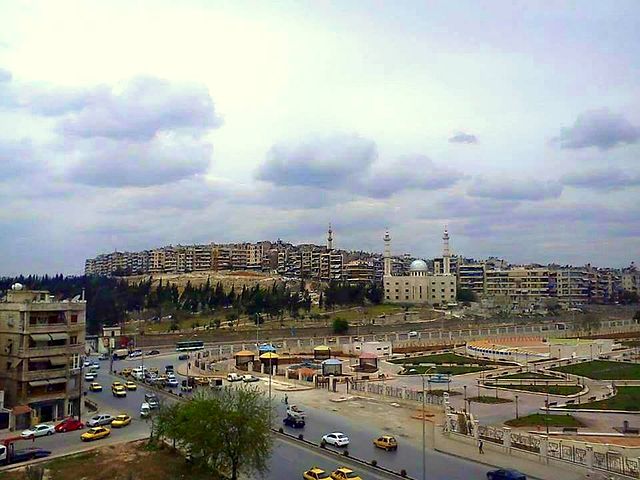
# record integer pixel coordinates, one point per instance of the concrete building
(631, 280)
(471, 276)
(359, 271)
(573, 286)
(518, 286)
(41, 346)
(419, 286)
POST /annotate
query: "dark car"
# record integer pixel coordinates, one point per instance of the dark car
(69, 424)
(293, 422)
(153, 352)
(505, 475)
(183, 356)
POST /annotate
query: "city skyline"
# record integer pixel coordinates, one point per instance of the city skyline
(515, 124)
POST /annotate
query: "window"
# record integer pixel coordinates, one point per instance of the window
(75, 361)
(74, 318)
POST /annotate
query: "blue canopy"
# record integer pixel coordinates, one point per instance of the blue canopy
(264, 348)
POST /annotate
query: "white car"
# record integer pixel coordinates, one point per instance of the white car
(100, 419)
(336, 438)
(412, 334)
(90, 376)
(40, 430)
(250, 378)
(172, 383)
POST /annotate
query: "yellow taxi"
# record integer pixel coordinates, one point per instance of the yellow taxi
(202, 381)
(344, 473)
(315, 473)
(154, 370)
(121, 421)
(126, 372)
(118, 390)
(130, 385)
(95, 387)
(386, 442)
(95, 433)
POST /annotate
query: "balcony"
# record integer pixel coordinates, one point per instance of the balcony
(46, 351)
(48, 327)
(44, 374)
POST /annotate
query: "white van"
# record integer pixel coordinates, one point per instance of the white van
(145, 410)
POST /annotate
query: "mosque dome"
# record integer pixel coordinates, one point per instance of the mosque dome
(418, 266)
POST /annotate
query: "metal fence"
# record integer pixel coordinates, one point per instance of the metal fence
(391, 391)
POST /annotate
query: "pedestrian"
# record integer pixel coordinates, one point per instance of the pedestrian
(480, 450)
(286, 399)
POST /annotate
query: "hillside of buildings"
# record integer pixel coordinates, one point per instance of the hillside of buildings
(228, 279)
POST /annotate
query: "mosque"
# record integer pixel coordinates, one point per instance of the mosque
(420, 286)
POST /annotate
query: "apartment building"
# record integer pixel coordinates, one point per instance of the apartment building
(471, 277)
(518, 285)
(573, 286)
(41, 347)
(359, 271)
(331, 266)
(631, 281)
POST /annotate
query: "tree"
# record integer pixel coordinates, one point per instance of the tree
(227, 432)
(340, 325)
(636, 316)
(466, 295)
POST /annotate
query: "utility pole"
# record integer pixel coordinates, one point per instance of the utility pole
(424, 435)
(517, 416)
(80, 390)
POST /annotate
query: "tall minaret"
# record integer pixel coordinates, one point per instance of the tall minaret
(446, 254)
(330, 239)
(387, 253)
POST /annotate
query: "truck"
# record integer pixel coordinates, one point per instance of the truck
(9, 454)
(120, 353)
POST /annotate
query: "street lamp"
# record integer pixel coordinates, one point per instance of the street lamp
(424, 434)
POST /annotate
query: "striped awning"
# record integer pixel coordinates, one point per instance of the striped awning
(40, 337)
(59, 336)
(60, 360)
(38, 383)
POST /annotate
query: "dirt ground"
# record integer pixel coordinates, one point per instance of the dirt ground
(128, 461)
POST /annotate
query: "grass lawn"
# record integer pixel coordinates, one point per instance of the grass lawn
(115, 462)
(487, 399)
(604, 370)
(529, 376)
(627, 398)
(452, 370)
(550, 389)
(440, 358)
(541, 420)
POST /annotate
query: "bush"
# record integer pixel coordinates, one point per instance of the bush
(345, 453)
(323, 444)
(374, 463)
(340, 325)
(281, 430)
(403, 473)
(300, 437)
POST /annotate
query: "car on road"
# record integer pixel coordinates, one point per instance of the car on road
(412, 334)
(336, 438)
(505, 474)
(249, 378)
(95, 366)
(86, 363)
(293, 422)
(145, 410)
(168, 368)
(316, 473)
(90, 376)
(129, 385)
(173, 383)
(153, 352)
(119, 391)
(121, 421)
(126, 372)
(69, 424)
(344, 473)
(99, 420)
(183, 356)
(39, 430)
(135, 353)
(95, 433)
(95, 387)
(386, 442)
(152, 400)
(233, 377)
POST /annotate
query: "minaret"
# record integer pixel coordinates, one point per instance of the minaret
(387, 253)
(446, 254)
(330, 239)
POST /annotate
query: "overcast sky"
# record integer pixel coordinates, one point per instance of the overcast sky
(130, 125)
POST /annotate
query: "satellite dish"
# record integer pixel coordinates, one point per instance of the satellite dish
(76, 298)
(17, 286)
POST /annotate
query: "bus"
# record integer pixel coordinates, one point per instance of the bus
(189, 345)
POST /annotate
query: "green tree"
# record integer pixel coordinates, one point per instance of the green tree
(228, 432)
(340, 325)
(466, 295)
(636, 316)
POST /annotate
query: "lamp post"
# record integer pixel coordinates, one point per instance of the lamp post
(517, 416)
(424, 434)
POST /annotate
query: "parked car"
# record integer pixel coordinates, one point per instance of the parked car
(183, 356)
(412, 334)
(233, 377)
(172, 383)
(69, 424)
(39, 430)
(100, 419)
(153, 352)
(503, 474)
(336, 438)
(121, 421)
(293, 422)
(126, 372)
(315, 473)
(135, 353)
(344, 473)
(249, 378)
(95, 433)
(168, 368)
(386, 442)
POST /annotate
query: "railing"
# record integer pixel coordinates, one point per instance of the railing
(401, 393)
(44, 374)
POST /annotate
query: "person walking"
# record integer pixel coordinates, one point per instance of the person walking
(286, 399)
(480, 449)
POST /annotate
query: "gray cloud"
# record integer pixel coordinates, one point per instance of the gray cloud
(512, 189)
(165, 159)
(602, 179)
(145, 107)
(5, 75)
(53, 101)
(408, 172)
(323, 162)
(462, 137)
(16, 159)
(598, 128)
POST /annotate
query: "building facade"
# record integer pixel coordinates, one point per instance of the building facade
(419, 286)
(41, 347)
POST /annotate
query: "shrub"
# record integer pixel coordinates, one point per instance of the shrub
(403, 473)
(300, 437)
(345, 453)
(280, 430)
(374, 463)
